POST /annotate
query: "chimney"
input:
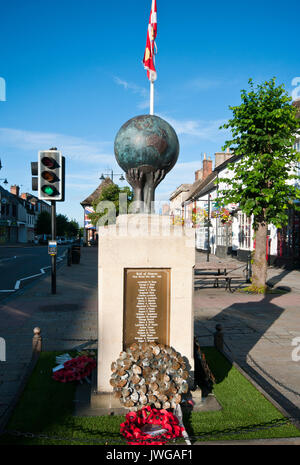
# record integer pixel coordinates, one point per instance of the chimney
(165, 209)
(23, 196)
(15, 190)
(220, 157)
(207, 167)
(198, 174)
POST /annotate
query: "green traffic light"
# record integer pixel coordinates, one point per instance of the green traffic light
(48, 190)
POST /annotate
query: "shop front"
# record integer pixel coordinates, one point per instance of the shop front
(4, 231)
(13, 232)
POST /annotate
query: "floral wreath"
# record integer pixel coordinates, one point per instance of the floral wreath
(139, 427)
(75, 369)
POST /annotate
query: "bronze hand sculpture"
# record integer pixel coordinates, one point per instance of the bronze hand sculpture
(144, 181)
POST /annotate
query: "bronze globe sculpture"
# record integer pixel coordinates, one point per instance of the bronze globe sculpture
(146, 148)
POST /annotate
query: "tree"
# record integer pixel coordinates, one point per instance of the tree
(111, 193)
(61, 225)
(263, 127)
(72, 228)
(43, 224)
(64, 226)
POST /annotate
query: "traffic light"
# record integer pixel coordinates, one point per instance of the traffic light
(34, 172)
(51, 175)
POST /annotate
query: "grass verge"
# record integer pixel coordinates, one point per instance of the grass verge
(46, 406)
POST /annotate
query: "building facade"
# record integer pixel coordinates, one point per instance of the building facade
(90, 231)
(18, 215)
(226, 231)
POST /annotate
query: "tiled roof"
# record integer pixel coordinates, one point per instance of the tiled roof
(97, 192)
(181, 188)
(200, 184)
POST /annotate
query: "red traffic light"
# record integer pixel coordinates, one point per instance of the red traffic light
(49, 162)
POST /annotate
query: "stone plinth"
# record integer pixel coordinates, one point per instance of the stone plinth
(144, 244)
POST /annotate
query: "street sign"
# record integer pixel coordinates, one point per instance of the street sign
(52, 248)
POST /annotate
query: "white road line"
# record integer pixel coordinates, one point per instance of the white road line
(7, 259)
(42, 271)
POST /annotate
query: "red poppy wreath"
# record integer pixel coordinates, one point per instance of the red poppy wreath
(150, 426)
(75, 369)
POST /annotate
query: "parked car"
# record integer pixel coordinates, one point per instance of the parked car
(61, 240)
(43, 241)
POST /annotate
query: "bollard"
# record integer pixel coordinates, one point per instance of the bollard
(69, 256)
(36, 342)
(75, 254)
(249, 268)
(219, 338)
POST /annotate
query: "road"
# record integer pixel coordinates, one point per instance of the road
(20, 265)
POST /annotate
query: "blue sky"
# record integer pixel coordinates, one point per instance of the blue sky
(73, 72)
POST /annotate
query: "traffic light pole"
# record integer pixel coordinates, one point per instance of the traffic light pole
(53, 237)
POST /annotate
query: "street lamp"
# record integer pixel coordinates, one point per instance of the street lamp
(112, 174)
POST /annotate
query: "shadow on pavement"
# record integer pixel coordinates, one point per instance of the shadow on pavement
(245, 323)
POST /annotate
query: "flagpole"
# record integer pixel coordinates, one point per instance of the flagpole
(151, 97)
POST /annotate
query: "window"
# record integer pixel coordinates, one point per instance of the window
(297, 146)
(14, 211)
(224, 234)
(244, 231)
(221, 233)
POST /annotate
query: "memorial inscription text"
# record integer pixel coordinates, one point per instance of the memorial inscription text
(147, 306)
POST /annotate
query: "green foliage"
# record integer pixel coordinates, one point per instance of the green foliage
(61, 224)
(110, 194)
(64, 226)
(43, 224)
(263, 129)
(256, 290)
(72, 228)
(262, 290)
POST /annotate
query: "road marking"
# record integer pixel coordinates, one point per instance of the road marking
(7, 259)
(42, 271)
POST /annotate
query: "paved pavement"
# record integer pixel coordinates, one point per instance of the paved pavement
(67, 319)
(258, 330)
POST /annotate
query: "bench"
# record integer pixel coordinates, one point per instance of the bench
(216, 279)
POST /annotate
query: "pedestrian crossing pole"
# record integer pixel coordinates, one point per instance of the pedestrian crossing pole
(53, 237)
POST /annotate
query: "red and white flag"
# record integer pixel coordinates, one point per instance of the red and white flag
(148, 59)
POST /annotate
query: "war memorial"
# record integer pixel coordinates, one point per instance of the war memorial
(149, 264)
